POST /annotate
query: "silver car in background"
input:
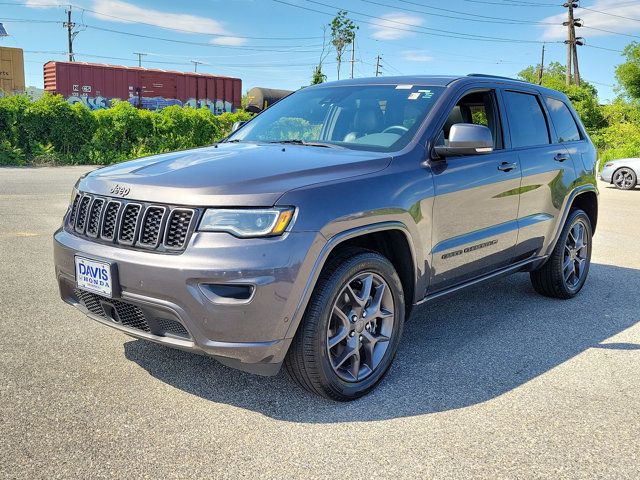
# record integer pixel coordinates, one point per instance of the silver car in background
(622, 173)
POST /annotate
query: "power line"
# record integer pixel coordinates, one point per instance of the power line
(385, 62)
(475, 17)
(460, 34)
(610, 14)
(603, 48)
(519, 4)
(254, 48)
(424, 30)
(611, 32)
(128, 20)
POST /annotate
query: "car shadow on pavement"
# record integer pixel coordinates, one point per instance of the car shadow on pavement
(457, 351)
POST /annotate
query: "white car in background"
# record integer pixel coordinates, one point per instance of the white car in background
(622, 173)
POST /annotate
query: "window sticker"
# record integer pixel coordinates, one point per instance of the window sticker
(426, 94)
(404, 87)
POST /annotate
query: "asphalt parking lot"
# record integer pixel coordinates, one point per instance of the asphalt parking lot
(491, 382)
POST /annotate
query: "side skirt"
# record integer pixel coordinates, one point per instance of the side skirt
(524, 265)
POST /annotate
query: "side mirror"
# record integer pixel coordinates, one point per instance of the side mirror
(236, 126)
(466, 139)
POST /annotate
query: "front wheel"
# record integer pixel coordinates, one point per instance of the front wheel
(625, 179)
(351, 329)
(566, 270)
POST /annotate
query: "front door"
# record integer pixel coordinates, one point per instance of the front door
(475, 209)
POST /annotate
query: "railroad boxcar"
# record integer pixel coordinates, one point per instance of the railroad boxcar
(11, 70)
(96, 85)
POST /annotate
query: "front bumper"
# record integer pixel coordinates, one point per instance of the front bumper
(250, 334)
(606, 175)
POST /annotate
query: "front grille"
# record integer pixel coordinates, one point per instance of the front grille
(95, 214)
(167, 325)
(151, 226)
(129, 315)
(121, 312)
(74, 209)
(160, 228)
(179, 224)
(109, 221)
(129, 224)
(81, 214)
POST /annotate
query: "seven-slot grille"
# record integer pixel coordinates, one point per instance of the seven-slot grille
(132, 224)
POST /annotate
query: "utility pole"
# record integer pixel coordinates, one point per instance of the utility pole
(69, 25)
(378, 65)
(353, 53)
(541, 72)
(195, 65)
(572, 42)
(140, 55)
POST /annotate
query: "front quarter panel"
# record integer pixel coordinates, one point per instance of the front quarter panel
(401, 194)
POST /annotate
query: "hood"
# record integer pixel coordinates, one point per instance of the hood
(230, 174)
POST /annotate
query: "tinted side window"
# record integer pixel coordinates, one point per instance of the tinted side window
(526, 120)
(562, 119)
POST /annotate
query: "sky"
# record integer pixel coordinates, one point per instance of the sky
(276, 43)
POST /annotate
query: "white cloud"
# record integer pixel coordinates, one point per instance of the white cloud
(128, 12)
(596, 20)
(394, 26)
(233, 41)
(42, 3)
(417, 56)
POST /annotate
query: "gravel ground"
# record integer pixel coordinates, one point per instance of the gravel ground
(491, 382)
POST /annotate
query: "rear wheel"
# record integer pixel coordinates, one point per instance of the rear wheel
(351, 329)
(566, 270)
(624, 178)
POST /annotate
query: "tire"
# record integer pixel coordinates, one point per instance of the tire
(624, 179)
(313, 362)
(566, 270)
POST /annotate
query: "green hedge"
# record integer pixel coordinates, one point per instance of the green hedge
(51, 131)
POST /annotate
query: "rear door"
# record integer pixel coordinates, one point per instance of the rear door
(476, 200)
(547, 168)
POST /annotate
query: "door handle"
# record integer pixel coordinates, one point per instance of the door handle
(507, 167)
(560, 158)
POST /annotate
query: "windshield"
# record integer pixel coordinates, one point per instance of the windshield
(364, 117)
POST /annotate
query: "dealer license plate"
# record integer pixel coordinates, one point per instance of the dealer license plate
(94, 276)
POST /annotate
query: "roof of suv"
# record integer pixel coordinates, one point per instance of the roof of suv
(436, 80)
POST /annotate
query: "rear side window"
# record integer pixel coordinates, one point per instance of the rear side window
(562, 119)
(526, 120)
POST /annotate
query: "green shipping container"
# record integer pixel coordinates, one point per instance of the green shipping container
(11, 70)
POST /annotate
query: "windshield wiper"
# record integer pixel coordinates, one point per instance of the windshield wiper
(305, 143)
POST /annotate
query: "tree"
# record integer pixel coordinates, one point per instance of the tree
(318, 76)
(628, 73)
(343, 31)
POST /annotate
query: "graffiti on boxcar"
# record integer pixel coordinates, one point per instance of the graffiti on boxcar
(93, 103)
(217, 107)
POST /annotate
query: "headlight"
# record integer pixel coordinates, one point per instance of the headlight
(247, 222)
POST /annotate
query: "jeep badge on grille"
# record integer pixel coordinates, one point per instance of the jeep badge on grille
(120, 191)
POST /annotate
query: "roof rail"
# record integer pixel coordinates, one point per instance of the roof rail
(484, 75)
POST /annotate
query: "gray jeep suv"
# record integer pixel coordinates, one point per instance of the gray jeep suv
(309, 234)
